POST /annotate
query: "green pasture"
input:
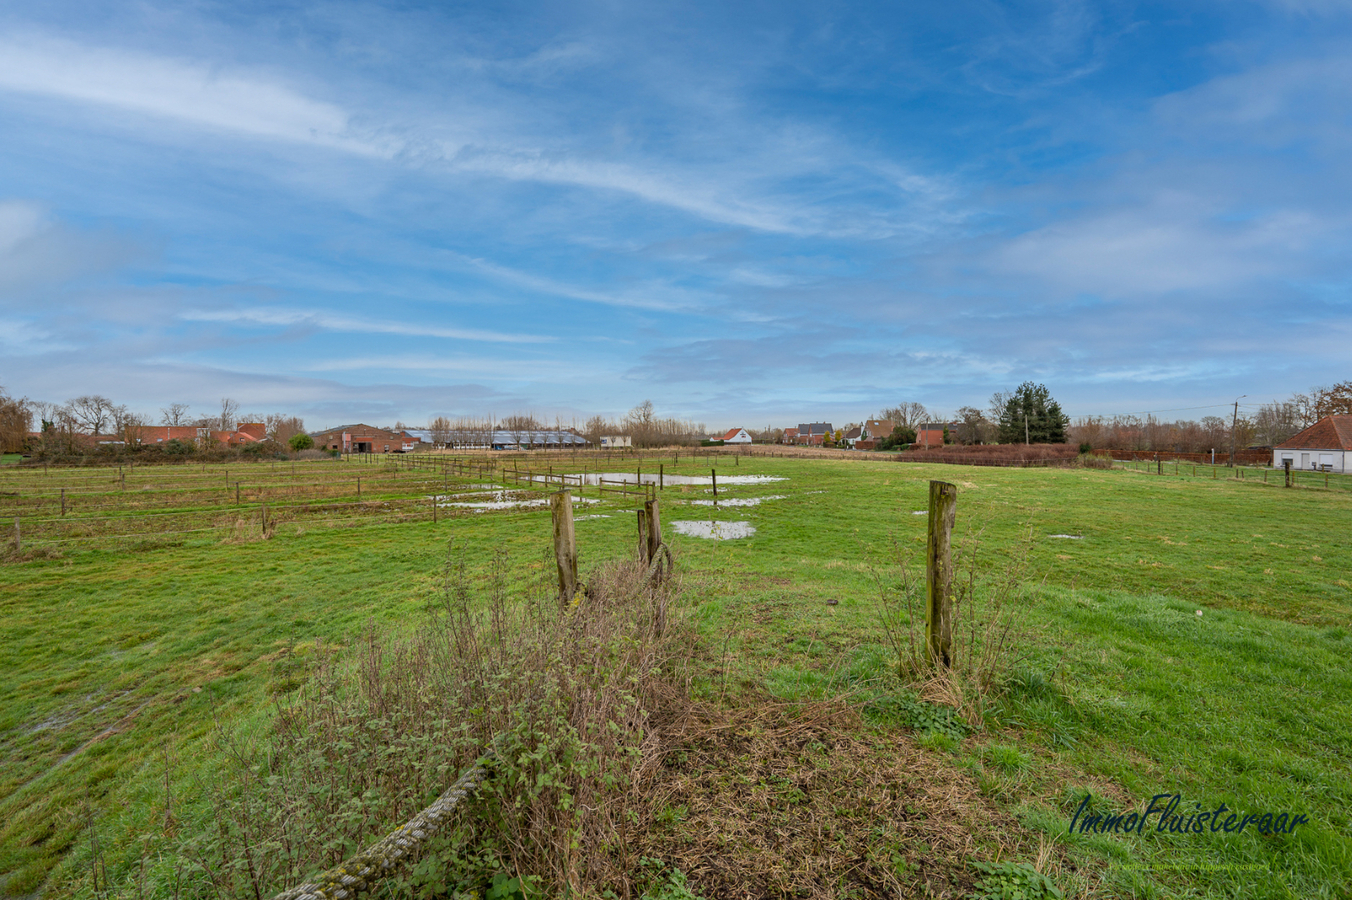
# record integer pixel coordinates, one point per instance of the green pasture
(117, 659)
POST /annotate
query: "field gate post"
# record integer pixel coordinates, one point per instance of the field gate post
(565, 544)
(943, 510)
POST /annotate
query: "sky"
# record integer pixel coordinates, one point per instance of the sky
(748, 213)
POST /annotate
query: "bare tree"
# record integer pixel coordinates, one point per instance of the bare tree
(1275, 422)
(639, 424)
(131, 427)
(229, 415)
(440, 432)
(91, 412)
(974, 427)
(907, 414)
(16, 420)
(283, 428)
(174, 414)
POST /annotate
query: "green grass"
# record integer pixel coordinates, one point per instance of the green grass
(115, 664)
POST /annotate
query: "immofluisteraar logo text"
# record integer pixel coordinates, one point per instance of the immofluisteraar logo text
(1222, 818)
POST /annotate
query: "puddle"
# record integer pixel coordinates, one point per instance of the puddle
(594, 478)
(715, 531)
(738, 501)
(507, 500)
(1068, 537)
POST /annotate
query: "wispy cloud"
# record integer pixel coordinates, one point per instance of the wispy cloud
(293, 318)
(186, 91)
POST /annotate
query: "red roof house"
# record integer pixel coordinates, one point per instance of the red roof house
(1324, 446)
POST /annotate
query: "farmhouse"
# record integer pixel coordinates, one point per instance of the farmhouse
(1326, 446)
(360, 439)
(872, 431)
(736, 436)
(790, 436)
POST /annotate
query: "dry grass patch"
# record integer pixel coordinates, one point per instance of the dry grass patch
(781, 801)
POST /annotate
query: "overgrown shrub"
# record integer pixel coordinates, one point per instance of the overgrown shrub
(566, 697)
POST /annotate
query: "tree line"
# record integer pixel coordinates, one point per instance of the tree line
(63, 427)
(1030, 414)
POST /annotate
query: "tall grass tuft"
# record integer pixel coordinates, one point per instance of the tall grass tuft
(568, 698)
(986, 629)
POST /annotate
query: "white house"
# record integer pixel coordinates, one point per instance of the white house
(1324, 446)
(736, 436)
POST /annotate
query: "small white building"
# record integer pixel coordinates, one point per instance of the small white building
(736, 436)
(615, 441)
(1326, 446)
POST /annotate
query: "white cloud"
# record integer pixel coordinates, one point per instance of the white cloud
(1159, 249)
(354, 324)
(187, 91)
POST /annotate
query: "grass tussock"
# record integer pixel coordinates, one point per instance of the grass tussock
(568, 699)
(988, 636)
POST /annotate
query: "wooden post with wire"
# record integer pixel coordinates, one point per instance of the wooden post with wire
(943, 510)
(565, 544)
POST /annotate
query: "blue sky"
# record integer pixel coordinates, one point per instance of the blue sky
(748, 213)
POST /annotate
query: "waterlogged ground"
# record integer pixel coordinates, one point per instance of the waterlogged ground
(116, 662)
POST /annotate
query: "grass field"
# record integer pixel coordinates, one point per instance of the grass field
(119, 656)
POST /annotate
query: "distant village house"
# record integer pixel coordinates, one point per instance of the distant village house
(1325, 446)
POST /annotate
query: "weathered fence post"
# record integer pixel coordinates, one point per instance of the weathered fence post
(565, 544)
(63, 503)
(644, 556)
(237, 493)
(18, 536)
(661, 477)
(654, 535)
(713, 473)
(943, 510)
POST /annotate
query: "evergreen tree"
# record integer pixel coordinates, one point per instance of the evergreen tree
(1033, 404)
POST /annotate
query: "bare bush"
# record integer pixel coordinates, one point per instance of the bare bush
(567, 697)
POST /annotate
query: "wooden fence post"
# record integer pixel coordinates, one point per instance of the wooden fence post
(943, 510)
(63, 503)
(654, 536)
(713, 473)
(565, 544)
(644, 556)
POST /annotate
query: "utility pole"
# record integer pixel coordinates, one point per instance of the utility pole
(1234, 421)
